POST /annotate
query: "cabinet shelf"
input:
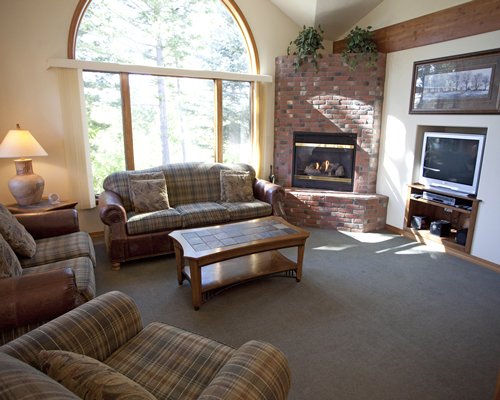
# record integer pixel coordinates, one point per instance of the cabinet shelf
(462, 215)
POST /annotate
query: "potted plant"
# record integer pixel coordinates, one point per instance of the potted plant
(360, 46)
(307, 44)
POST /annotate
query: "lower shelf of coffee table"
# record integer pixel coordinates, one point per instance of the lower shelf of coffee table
(242, 269)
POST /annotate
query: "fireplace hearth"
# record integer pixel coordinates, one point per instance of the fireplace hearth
(324, 161)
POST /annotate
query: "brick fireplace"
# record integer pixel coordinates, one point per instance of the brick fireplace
(336, 102)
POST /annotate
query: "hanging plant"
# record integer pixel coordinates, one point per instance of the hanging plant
(307, 44)
(360, 46)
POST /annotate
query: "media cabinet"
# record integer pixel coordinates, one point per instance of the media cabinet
(462, 215)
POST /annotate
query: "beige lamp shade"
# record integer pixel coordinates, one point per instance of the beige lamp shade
(19, 143)
(26, 187)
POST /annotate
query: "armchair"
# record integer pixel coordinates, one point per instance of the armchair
(165, 361)
(58, 276)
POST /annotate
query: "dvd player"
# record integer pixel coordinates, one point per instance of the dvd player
(449, 201)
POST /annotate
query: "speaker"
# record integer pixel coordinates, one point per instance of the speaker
(461, 236)
(440, 228)
(418, 222)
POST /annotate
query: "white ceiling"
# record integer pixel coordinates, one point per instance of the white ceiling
(335, 16)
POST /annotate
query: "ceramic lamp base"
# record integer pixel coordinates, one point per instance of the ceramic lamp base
(26, 187)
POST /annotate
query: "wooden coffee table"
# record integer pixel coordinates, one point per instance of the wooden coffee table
(215, 257)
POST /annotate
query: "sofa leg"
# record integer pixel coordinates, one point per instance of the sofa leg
(115, 266)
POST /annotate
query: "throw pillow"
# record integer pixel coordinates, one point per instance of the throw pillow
(9, 263)
(89, 378)
(149, 195)
(16, 234)
(19, 380)
(236, 186)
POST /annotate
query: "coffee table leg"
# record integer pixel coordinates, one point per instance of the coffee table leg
(195, 271)
(179, 260)
(300, 259)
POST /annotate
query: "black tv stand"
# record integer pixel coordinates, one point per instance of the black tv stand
(462, 214)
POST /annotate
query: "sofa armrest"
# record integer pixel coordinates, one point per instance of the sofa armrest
(50, 223)
(35, 298)
(270, 193)
(96, 329)
(111, 209)
(256, 370)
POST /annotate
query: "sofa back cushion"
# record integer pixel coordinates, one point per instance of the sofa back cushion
(190, 182)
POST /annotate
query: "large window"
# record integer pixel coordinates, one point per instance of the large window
(139, 120)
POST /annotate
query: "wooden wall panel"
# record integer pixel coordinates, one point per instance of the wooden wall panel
(473, 18)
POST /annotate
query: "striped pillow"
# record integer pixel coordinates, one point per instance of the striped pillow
(9, 263)
(89, 378)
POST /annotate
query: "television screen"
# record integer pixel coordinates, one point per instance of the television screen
(452, 161)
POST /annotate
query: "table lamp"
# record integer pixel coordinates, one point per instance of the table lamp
(26, 187)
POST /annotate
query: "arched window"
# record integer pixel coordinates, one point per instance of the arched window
(188, 107)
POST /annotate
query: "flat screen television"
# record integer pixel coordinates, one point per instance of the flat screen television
(452, 161)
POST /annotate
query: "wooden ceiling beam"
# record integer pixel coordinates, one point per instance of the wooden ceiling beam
(472, 18)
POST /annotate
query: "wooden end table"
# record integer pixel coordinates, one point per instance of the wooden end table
(42, 206)
(216, 257)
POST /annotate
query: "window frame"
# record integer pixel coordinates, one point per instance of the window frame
(217, 78)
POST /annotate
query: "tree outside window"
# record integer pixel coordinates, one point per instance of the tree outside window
(172, 117)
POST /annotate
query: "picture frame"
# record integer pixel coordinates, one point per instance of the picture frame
(462, 84)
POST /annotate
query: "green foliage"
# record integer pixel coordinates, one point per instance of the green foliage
(171, 116)
(360, 46)
(307, 44)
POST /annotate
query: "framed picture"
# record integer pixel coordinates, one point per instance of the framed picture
(463, 84)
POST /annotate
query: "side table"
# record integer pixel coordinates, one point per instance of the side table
(42, 206)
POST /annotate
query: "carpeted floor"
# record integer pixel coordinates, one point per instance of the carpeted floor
(375, 316)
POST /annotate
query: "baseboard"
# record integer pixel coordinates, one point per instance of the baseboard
(460, 254)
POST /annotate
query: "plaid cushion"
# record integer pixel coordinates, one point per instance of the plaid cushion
(96, 329)
(58, 248)
(170, 363)
(155, 221)
(256, 368)
(84, 274)
(248, 210)
(199, 214)
(20, 381)
(118, 182)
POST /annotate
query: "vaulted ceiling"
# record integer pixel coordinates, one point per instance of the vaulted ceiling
(335, 16)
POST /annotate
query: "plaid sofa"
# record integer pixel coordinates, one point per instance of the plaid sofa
(194, 193)
(58, 277)
(165, 361)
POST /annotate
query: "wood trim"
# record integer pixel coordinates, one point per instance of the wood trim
(98, 66)
(468, 19)
(80, 9)
(460, 254)
(127, 122)
(218, 116)
(231, 5)
(247, 33)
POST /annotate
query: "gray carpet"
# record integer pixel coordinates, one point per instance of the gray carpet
(375, 316)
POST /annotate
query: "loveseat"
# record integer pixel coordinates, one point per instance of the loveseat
(140, 208)
(101, 350)
(46, 268)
